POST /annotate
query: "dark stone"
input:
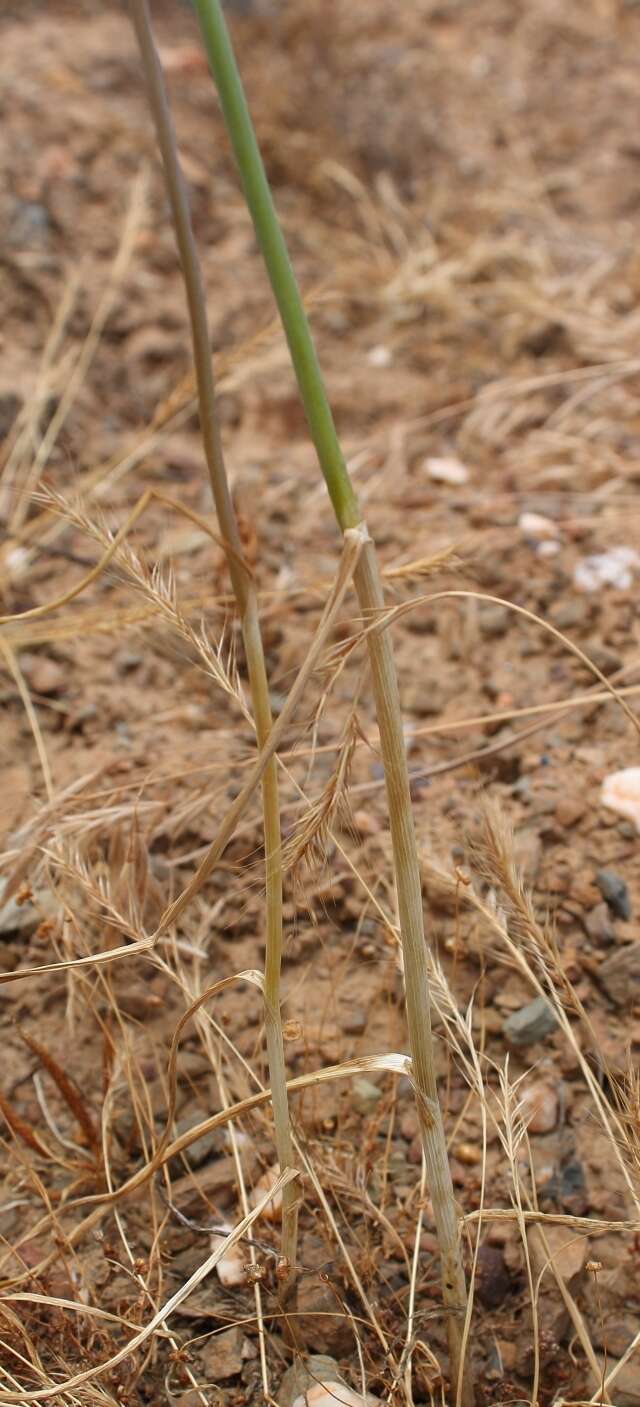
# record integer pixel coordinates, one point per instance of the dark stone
(30, 224)
(567, 1188)
(494, 620)
(614, 892)
(531, 1023)
(354, 1022)
(201, 1149)
(493, 1280)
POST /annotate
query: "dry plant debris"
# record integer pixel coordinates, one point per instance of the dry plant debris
(458, 184)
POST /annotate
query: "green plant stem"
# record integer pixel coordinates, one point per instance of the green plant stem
(369, 589)
(283, 281)
(246, 598)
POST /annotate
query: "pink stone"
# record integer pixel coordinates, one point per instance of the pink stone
(539, 1107)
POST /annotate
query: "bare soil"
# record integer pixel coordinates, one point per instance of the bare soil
(459, 184)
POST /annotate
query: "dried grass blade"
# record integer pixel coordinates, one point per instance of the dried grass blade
(23, 1130)
(68, 1089)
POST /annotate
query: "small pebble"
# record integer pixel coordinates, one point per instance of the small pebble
(44, 676)
(303, 1374)
(599, 926)
(230, 1268)
(468, 1153)
(379, 356)
(537, 528)
(365, 1095)
(273, 1209)
(24, 917)
(567, 1188)
(319, 1324)
(568, 1252)
(354, 1022)
(531, 1023)
(447, 471)
(30, 225)
(366, 823)
(202, 1148)
(127, 661)
(77, 720)
(621, 793)
(425, 703)
(539, 1107)
(614, 892)
(604, 658)
(493, 1280)
(222, 1354)
(570, 614)
(569, 811)
(409, 1125)
(613, 568)
(494, 620)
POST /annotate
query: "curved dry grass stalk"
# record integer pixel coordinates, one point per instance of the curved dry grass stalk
(96, 527)
(587, 1225)
(479, 754)
(385, 617)
(395, 1063)
(507, 715)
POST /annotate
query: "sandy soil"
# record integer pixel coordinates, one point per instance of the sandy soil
(459, 184)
